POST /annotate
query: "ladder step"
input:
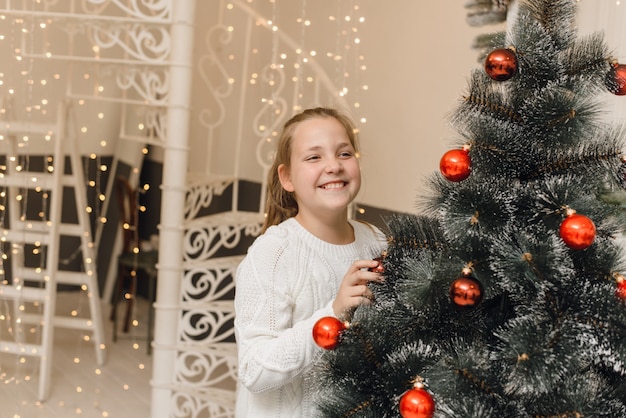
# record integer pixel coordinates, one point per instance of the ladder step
(24, 349)
(224, 350)
(75, 277)
(15, 128)
(34, 179)
(27, 293)
(25, 237)
(215, 305)
(62, 276)
(41, 227)
(217, 263)
(232, 218)
(59, 321)
(28, 180)
(38, 233)
(74, 323)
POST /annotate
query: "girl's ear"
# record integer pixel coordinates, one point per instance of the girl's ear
(285, 179)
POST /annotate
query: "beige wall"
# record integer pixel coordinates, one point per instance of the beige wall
(419, 57)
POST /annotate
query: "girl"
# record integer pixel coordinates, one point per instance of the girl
(311, 261)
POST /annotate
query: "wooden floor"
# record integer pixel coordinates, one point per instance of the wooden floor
(80, 388)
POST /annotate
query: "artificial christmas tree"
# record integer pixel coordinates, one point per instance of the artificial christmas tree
(505, 296)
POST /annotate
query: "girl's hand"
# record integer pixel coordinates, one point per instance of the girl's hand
(353, 290)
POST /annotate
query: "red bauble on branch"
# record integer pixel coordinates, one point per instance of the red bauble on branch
(466, 291)
(326, 332)
(501, 64)
(577, 231)
(380, 268)
(417, 403)
(616, 79)
(455, 165)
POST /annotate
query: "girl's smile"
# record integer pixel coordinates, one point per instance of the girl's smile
(333, 185)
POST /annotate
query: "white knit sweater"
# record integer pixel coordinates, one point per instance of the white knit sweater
(288, 281)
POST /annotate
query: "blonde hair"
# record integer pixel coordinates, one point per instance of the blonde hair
(281, 204)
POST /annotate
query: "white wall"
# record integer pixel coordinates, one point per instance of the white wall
(419, 57)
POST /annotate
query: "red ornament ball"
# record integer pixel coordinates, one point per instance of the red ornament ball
(380, 269)
(577, 231)
(501, 64)
(455, 165)
(417, 403)
(620, 291)
(326, 332)
(466, 291)
(616, 80)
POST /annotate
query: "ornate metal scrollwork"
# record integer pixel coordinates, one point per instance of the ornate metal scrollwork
(140, 9)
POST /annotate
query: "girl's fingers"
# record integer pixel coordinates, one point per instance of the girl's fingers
(366, 298)
(360, 290)
(365, 264)
(354, 289)
(363, 293)
(364, 277)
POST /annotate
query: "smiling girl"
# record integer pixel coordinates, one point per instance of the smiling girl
(311, 261)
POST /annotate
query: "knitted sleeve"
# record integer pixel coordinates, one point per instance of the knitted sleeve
(272, 350)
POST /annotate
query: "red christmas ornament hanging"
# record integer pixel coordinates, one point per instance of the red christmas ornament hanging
(577, 231)
(466, 291)
(616, 79)
(501, 64)
(620, 291)
(417, 403)
(326, 332)
(380, 269)
(455, 165)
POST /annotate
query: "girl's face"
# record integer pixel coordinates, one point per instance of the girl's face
(324, 172)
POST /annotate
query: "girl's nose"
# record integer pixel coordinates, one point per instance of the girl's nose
(334, 166)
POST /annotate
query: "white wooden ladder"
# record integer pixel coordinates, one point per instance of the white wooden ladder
(37, 286)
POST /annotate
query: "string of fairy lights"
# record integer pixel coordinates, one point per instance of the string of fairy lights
(13, 83)
(28, 89)
(314, 59)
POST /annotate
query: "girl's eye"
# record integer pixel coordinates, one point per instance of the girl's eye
(346, 154)
(312, 158)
